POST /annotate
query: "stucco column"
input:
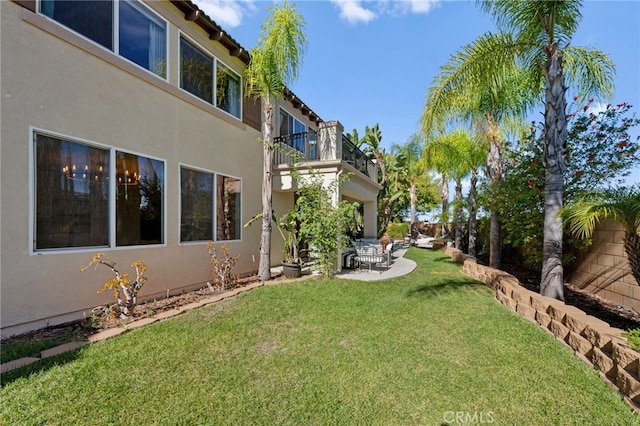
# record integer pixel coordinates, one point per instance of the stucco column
(330, 140)
(371, 219)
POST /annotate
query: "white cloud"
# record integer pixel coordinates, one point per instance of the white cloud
(353, 11)
(422, 6)
(357, 11)
(227, 13)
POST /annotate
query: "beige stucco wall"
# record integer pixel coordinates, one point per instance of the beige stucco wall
(55, 81)
(605, 270)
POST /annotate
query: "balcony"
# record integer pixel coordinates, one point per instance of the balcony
(310, 146)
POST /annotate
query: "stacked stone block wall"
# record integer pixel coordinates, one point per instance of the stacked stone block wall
(590, 338)
(604, 271)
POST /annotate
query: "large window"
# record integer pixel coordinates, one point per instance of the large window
(196, 71)
(196, 205)
(209, 202)
(91, 18)
(139, 200)
(227, 208)
(71, 194)
(74, 185)
(142, 35)
(197, 78)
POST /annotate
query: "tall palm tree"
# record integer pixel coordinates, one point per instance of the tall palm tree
(435, 158)
(539, 36)
(408, 155)
(481, 87)
(621, 205)
(274, 63)
(476, 154)
(529, 55)
(457, 153)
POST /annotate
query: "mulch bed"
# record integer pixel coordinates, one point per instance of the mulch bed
(81, 330)
(615, 315)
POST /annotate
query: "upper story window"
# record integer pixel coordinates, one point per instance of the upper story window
(290, 125)
(197, 70)
(141, 35)
(228, 90)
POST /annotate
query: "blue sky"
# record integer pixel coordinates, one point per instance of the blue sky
(372, 61)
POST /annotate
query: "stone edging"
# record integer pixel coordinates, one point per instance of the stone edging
(106, 334)
(590, 338)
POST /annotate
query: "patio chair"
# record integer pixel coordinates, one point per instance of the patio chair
(371, 256)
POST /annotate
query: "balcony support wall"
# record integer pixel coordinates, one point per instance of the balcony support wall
(331, 140)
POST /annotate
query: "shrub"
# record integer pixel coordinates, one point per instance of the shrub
(397, 231)
(599, 150)
(125, 291)
(221, 267)
(322, 223)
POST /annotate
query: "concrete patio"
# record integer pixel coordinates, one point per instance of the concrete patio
(399, 267)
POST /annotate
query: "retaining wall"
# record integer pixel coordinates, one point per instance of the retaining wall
(590, 338)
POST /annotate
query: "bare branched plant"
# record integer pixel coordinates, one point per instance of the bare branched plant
(125, 290)
(222, 264)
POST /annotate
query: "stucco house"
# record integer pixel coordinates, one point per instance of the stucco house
(125, 130)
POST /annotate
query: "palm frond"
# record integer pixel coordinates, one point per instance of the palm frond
(547, 22)
(483, 77)
(590, 71)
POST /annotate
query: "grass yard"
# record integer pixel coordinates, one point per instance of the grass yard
(430, 348)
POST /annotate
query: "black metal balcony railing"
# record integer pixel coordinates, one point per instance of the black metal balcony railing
(305, 146)
(296, 147)
(355, 157)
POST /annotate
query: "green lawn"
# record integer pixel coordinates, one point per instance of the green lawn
(430, 348)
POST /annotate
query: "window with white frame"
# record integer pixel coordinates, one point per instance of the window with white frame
(75, 184)
(289, 125)
(197, 69)
(196, 205)
(139, 199)
(71, 194)
(228, 90)
(210, 206)
(141, 35)
(228, 219)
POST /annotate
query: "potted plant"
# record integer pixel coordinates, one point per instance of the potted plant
(286, 226)
(291, 264)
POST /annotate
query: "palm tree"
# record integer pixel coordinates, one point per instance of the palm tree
(466, 91)
(435, 158)
(371, 143)
(530, 54)
(621, 205)
(475, 156)
(408, 155)
(274, 63)
(539, 38)
(459, 156)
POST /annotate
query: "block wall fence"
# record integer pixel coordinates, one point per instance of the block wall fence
(605, 271)
(590, 338)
